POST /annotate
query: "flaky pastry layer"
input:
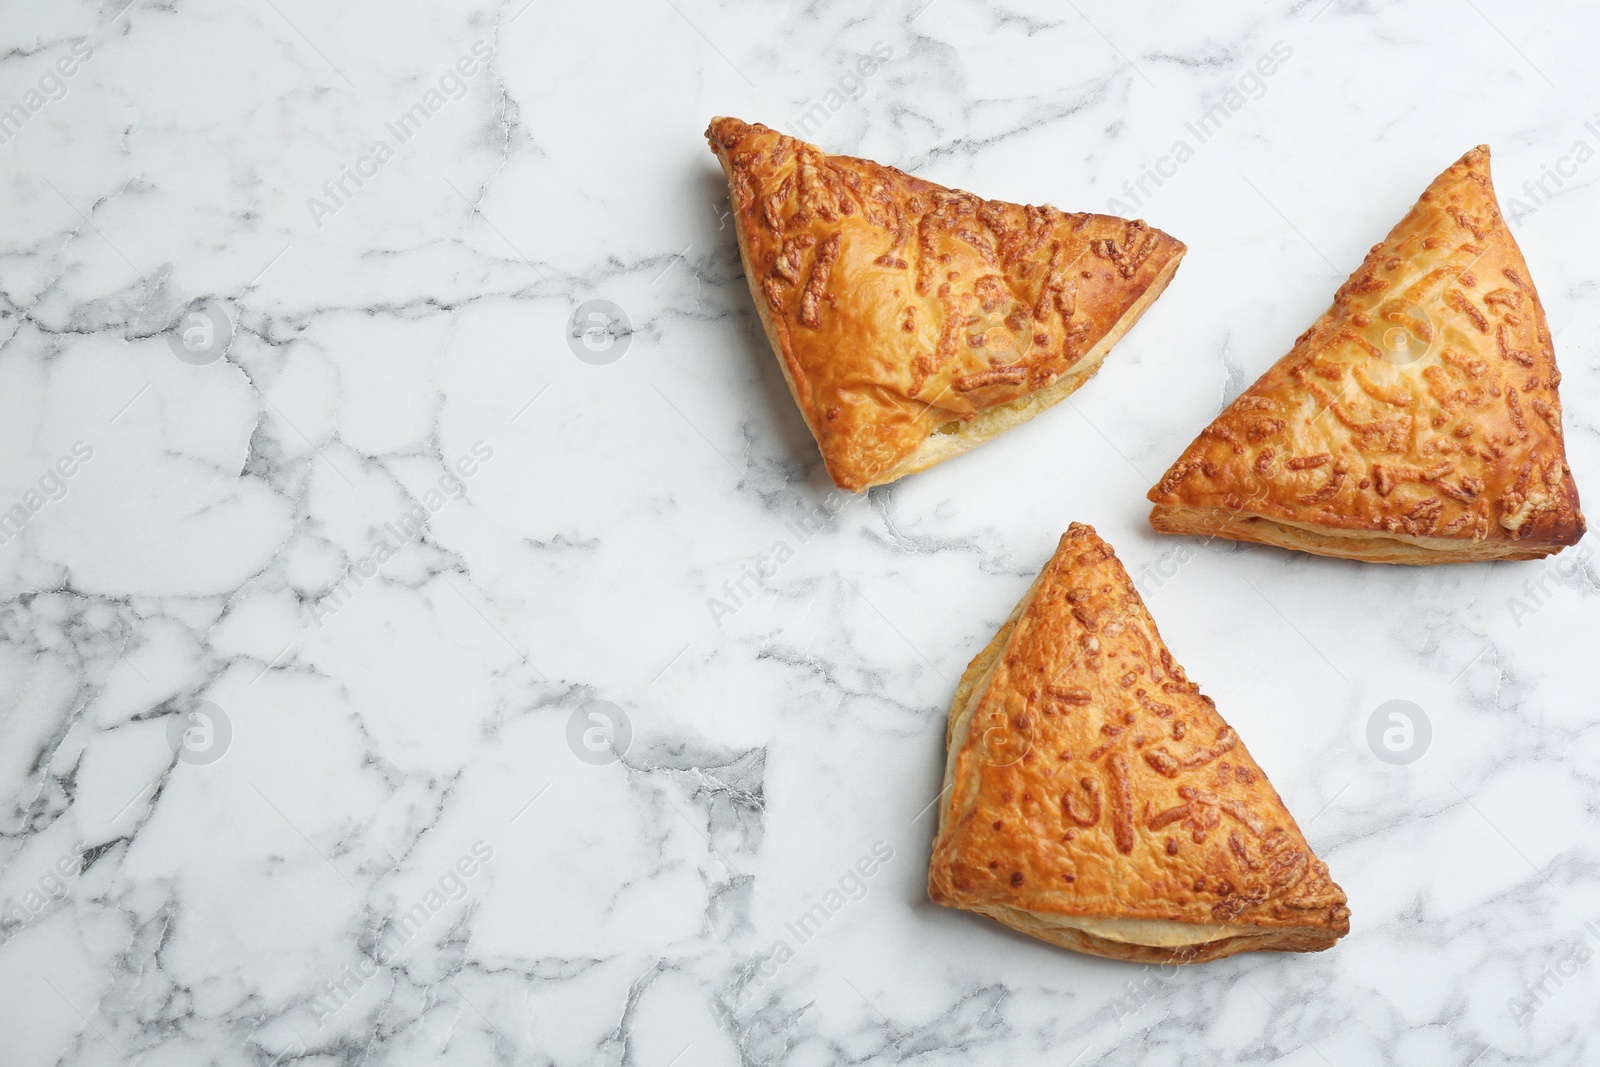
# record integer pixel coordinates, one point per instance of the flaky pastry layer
(1368, 546)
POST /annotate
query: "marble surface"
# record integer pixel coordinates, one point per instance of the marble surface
(322, 629)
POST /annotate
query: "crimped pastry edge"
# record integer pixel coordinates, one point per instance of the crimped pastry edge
(1056, 932)
(940, 446)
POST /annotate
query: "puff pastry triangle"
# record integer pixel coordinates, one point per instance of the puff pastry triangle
(913, 321)
(1417, 421)
(1094, 799)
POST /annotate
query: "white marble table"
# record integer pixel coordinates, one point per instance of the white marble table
(411, 558)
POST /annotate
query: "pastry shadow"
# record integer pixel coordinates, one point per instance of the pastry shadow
(773, 413)
(981, 934)
(1394, 577)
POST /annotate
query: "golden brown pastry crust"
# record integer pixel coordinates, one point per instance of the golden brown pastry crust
(914, 321)
(1417, 421)
(1089, 780)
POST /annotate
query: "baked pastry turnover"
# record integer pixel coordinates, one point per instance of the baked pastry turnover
(912, 321)
(1417, 421)
(1094, 799)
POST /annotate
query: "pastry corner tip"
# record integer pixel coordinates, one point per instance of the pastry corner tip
(1162, 494)
(1475, 158)
(846, 482)
(940, 890)
(720, 129)
(1079, 529)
